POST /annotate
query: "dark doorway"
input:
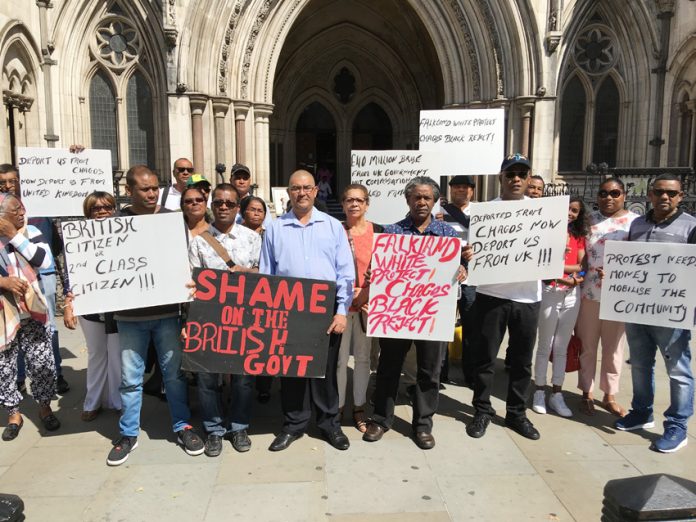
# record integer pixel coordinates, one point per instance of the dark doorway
(372, 129)
(316, 143)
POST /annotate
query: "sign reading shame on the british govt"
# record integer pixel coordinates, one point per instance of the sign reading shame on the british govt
(413, 288)
(255, 324)
(649, 283)
(55, 182)
(518, 240)
(116, 264)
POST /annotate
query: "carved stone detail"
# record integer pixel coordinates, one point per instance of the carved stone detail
(251, 43)
(13, 99)
(553, 39)
(470, 47)
(276, 41)
(224, 52)
(497, 49)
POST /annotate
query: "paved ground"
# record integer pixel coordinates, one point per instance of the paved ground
(64, 477)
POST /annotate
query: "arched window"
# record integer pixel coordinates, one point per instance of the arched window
(102, 109)
(573, 110)
(141, 135)
(372, 129)
(606, 128)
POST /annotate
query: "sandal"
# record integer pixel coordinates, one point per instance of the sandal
(614, 408)
(587, 406)
(12, 430)
(359, 420)
(50, 422)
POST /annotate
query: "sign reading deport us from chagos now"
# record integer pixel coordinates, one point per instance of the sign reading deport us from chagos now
(55, 182)
(649, 283)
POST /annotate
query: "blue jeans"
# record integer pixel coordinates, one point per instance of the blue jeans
(643, 341)
(134, 337)
(240, 409)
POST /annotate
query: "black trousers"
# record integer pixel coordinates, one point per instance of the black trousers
(391, 359)
(468, 322)
(298, 396)
(493, 316)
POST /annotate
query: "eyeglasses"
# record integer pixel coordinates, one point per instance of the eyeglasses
(184, 169)
(8, 182)
(512, 174)
(192, 201)
(615, 193)
(661, 192)
(301, 188)
(359, 201)
(101, 208)
(217, 203)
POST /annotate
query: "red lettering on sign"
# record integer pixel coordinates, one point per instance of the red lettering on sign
(317, 297)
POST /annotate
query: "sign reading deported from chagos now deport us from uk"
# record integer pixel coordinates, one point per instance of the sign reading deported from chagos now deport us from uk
(55, 182)
(118, 264)
(649, 283)
(385, 174)
(518, 240)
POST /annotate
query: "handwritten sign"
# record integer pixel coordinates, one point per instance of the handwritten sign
(55, 182)
(649, 283)
(385, 173)
(119, 264)
(467, 141)
(255, 324)
(520, 240)
(413, 290)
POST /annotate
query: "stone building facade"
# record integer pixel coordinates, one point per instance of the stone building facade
(281, 83)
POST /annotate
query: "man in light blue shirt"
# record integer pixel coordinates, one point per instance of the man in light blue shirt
(308, 243)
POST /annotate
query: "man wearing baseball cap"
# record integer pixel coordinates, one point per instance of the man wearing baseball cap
(240, 178)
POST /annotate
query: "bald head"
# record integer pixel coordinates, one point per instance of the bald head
(302, 192)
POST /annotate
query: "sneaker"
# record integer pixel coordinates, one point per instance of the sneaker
(213, 445)
(122, 448)
(539, 402)
(62, 385)
(557, 404)
(478, 426)
(241, 441)
(635, 421)
(673, 440)
(192, 443)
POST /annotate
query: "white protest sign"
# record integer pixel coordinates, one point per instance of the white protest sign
(126, 262)
(468, 141)
(518, 240)
(385, 174)
(649, 283)
(55, 182)
(413, 288)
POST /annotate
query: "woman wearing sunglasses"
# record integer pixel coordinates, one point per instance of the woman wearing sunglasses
(193, 205)
(611, 222)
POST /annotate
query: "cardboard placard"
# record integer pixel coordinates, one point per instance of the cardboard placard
(55, 182)
(119, 264)
(385, 173)
(256, 324)
(467, 141)
(518, 240)
(413, 288)
(649, 283)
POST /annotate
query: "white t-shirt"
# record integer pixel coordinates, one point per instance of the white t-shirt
(522, 292)
(173, 198)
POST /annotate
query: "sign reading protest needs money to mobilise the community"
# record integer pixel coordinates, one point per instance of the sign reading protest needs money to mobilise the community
(413, 288)
(649, 283)
(117, 263)
(467, 141)
(255, 324)
(55, 182)
(385, 173)
(518, 240)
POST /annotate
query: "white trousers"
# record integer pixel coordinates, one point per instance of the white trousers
(354, 337)
(557, 316)
(103, 367)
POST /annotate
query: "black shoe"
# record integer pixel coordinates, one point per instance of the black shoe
(283, 440)
(50, 422)
(12, 430)
(263, 397)
(213, 445)
(523, 426)
(424, 440)
(62, 385)
(374, 432)
(241, 441)
(190, 441)
(478, 426)
(122, 448)
(338, 440)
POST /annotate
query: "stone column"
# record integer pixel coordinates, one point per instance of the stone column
(198, 103)
(241, 109)
(526, 108)
(262, 171)
(46, 63)
(220, 108)
(691, 144)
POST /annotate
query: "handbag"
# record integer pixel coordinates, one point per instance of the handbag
(573, 354)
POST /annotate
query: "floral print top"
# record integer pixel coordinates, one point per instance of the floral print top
(602, 229)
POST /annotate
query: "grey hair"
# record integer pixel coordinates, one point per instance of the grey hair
(422, 180)
(4, 200)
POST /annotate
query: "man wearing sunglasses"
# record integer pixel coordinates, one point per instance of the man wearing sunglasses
(664, 223)
(171, 196)
(512, 306)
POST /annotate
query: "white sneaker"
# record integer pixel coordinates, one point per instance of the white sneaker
(557, 404)
(539, 402)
